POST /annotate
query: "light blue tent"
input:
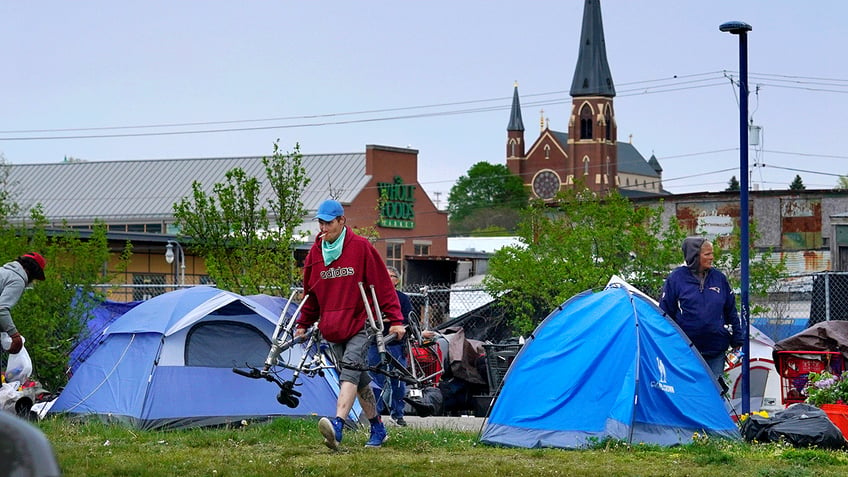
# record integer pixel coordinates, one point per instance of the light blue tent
(167, 363)
(607, 365)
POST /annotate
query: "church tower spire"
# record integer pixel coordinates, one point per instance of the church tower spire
(592, 131)
(515, 134)
(515, 122)
(592, 75)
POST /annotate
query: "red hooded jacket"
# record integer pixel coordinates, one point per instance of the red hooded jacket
(333, 292)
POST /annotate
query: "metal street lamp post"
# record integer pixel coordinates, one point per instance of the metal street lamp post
(742, 29)
(180, 256)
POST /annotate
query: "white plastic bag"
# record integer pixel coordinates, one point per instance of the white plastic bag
(5, 340)
(9, 394)
(19, 365)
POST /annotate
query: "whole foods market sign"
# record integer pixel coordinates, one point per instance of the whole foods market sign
(396, 201)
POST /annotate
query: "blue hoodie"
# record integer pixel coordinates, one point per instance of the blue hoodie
(702, 306)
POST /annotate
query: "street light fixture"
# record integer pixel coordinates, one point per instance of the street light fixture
(742, 29)
(180, 256)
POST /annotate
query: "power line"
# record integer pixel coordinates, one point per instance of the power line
(654, 86)
(807, 154)
(805, 171)
(316, 116)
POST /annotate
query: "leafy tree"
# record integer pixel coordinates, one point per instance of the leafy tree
(8, 207)
(732, 185)
(842, 183)
(485, 222)
(487, 196)
(51, 314)
(247, 245)
(764, 270)
(579, 245)
(797, 184)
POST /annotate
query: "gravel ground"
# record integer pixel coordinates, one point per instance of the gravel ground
(460, 423)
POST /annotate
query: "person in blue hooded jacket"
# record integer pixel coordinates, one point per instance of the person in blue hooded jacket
(699, 299)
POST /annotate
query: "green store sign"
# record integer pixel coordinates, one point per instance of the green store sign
(396, 201)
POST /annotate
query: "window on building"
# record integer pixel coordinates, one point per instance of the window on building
(145, 228)
(547, 151)
(585, 166)
(148, 285)
(421, 249)
(608, 121)
(512, 147)
(394, 255)
(585, 122)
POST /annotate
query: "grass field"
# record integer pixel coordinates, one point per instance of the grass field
(292, 447)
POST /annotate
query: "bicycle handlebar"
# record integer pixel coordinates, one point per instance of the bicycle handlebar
(253, 373)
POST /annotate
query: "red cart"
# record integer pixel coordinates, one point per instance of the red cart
(795, 366)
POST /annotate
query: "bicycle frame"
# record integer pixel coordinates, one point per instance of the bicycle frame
(389, 366)
(312, 364)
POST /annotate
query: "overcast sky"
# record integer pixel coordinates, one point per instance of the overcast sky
(183, 79)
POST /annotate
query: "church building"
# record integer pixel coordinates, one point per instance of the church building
(589, 151)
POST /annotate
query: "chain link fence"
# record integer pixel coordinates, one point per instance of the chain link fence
(795, 303)
(434, 304)
(799, 301)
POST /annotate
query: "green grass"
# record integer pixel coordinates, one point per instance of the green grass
(292, 447)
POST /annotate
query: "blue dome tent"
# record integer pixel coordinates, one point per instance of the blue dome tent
(167, 363)
(607, 365)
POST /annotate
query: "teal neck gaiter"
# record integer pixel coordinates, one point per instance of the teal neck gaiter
(332, 251)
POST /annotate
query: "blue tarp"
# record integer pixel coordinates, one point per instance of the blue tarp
(607, 365)
(780, 328)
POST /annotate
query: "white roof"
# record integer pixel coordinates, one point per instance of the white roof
(481, 244)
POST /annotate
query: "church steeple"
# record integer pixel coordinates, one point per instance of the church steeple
(592, 131)
(515, 130)
(592, 75)
(515, 122)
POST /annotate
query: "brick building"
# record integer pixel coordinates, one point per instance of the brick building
(135, 199)
(589, 151)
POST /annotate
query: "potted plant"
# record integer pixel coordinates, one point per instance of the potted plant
(830, 394)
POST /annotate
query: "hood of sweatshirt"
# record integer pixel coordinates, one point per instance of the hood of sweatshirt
(692, 252)
(17, 269)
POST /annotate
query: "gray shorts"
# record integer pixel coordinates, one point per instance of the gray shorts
(354, 351)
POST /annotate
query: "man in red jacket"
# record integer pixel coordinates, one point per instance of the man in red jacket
(337, 262)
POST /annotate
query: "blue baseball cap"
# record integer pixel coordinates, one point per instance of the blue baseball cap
(329, 210)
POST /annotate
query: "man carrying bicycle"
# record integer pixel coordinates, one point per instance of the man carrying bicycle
(337, 262)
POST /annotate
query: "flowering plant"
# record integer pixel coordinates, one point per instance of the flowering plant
(825, 388)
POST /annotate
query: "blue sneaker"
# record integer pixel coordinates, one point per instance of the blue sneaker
(378, 435)
(332, 431)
